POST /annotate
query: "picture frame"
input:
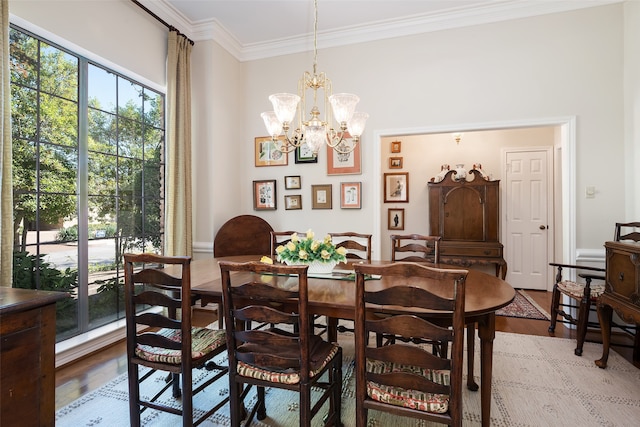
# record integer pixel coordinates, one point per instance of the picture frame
(293, 202)
(265, 195)
(305, 155)
(266, 153)
(344, 163)
(395, 162)
(321, 196)
(395, 219)
(396, 146)
(396, 187)
(350, 195)
(292, 182)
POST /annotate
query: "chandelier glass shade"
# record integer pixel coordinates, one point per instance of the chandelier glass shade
(312, 129)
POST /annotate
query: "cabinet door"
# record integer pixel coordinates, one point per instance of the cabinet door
(463, 210)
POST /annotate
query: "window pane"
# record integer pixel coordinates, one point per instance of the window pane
(58, 72)
(129, 99)
(102, 174)
(102, 132)
(24, 166)
(130, 138)
(153, 108)
(24, 59)
(24, 112)
(58, 169)
(102, 89)
(58, 120)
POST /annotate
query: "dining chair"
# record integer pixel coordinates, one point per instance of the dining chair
(415, 248)
(404, 379)
(358, 245)
(281, 238)
(287, 354)
(159, 339)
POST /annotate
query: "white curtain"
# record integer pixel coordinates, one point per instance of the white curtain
(178, 236)
(6, 198)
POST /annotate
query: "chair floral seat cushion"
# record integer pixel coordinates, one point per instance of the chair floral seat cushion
(414, 399)
(287, 376)
(203, 342)
(576, 290)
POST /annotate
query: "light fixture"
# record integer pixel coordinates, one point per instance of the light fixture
(457, 137)
(312, 129)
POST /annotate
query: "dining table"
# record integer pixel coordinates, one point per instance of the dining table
(333, 296)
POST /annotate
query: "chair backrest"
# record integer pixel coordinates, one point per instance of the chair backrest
(415, 248)
(358, 245)
(254, 298)
(282, 238)
(146, 286)
(243, 235)
(415, 288)
(627, 231)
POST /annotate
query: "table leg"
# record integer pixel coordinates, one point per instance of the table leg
(487, 333)
(332, 329)
(471, 342)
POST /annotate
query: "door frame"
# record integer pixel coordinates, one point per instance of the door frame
(566, 152)
(551, 187)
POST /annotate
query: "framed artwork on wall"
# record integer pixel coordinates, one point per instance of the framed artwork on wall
(344, 163)
(321, 196)
(395, 219)
(396, 187)
(264, 195)
(305, 155)
(293, 202)
(396, 146)
(292, 182)
(267, 154)
(395, 162)
(350, 195)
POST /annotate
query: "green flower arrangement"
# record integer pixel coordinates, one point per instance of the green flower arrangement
(307, 250)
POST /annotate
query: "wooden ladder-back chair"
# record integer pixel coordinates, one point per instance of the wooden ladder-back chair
(358, 245)
(159, 339)
(415, 248)
(405, 379)
(282, 238)
(287, 354)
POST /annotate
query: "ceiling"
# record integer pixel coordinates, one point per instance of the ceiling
(253, 29)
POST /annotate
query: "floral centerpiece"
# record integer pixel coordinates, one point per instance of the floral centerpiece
(321, 255)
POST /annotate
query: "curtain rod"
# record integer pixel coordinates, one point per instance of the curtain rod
(169, 26)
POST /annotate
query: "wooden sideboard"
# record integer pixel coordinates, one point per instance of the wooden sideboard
(622, 293)
(466, 215)
(27, 356)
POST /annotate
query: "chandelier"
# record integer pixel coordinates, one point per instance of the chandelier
(313, 130)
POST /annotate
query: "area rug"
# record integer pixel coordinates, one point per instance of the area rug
(537, 381)
(524, 306)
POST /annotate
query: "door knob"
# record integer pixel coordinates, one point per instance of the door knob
(542, 227)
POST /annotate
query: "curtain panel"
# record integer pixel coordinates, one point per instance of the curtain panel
(6, 189)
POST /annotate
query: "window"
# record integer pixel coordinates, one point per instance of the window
(88, 173)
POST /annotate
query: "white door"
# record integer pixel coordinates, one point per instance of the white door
(527, 199)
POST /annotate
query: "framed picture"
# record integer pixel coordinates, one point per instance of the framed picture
(350, 195)
(305, 155)
(321, 196)
(344, 163)
(396, 187)
(293, 202)
(292, 182)
(264, 195)
(395, 162)
(396, 219)
(267, 153)
(396, 146)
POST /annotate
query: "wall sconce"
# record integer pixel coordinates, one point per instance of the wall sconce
(457, 136)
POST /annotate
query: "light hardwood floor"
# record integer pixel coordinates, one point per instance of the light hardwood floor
(91, 372)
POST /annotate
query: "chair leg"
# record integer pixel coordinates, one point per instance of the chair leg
(636, 344)
(235, 403)
(262, 405)
(134, 396)
(583, 321)
(555, 303)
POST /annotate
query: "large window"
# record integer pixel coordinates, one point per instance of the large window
(88, 178)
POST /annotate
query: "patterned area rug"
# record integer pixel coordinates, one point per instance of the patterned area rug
(524, 306)
(537, 381)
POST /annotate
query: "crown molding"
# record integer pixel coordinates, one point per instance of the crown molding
(406, 26)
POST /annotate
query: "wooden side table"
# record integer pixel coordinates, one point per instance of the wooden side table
(27, 356)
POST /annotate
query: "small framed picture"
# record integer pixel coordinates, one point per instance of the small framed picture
(395, 162)
(396, 219)
(321, 196)
(292, 182)
(396, 146)
(267, 153)
(350, 195)
(344, 163)
(293, 202)
(396, 187)
(305, 155)
(264, 195)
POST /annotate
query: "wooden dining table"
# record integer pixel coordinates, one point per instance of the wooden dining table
(335, 299)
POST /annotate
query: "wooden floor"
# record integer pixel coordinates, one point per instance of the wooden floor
(91, 372)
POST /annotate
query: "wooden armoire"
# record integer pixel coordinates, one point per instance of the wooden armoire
(465, 213)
